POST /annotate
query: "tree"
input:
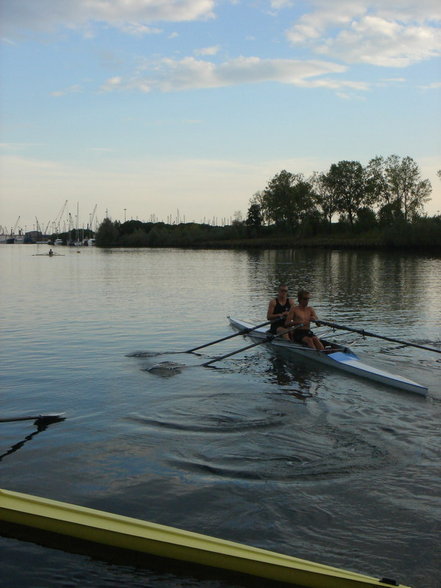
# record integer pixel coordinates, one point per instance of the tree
(366, 219)
(107, 234)
(323, 196)
(390, 213)
(347, 183)
(237, 217)
(254, 217)
(258, 199)
(406, 186)
(287, 199)
(376, 181)
(131, 226)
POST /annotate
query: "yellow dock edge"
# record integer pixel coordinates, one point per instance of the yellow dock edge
(142, 536)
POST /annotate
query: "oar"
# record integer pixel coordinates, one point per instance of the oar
(268, 338)
(41, 418)
(241, 332)
(369, 334)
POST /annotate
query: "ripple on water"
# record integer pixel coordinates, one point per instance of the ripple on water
(212, 424)
(271, 453)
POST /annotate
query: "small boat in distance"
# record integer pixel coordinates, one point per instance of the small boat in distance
(335, 355)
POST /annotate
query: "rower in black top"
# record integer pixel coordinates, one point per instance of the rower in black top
(278, 308)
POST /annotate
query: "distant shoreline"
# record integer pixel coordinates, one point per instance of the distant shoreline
(291, 243)
(422, 235)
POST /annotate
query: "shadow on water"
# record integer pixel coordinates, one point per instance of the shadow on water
(41, 424)
(156, 570)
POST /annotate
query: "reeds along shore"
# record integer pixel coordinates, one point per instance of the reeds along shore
(423, 234)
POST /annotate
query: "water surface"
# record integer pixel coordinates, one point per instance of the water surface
(262, 449)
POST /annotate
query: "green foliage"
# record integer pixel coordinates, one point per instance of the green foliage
(366, 219)
(396, 184)
(255, 216)
(346, 182)
(390, 214)
(254, 221)
(138, 238)
(287, 200)
(131, 226)
(324, 197)
(423, 233)
(107, 234)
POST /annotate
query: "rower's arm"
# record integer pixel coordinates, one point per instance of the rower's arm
(292, 318)
(314, 317)
(270, 316)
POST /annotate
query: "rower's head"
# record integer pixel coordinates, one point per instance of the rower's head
(303, 297)
(283, 290)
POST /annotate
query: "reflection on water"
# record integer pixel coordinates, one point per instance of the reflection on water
(343, 281)
(264, 449)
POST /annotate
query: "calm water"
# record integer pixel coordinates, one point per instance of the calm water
(262, 449)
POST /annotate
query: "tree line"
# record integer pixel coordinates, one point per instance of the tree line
(380, 204)
(134, 233)
(386, 190)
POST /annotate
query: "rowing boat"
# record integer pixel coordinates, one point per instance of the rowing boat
(142, 536)
(336, 356)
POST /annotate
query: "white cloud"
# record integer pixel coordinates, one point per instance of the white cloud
(384, 43)
(208, 50)
(74, 89)
(393, 80)
(433, 86)
(396, 33)
(132, 16)
(137, 29)
(280, 4)
(112, 84)
(189, 73)
(15, 147)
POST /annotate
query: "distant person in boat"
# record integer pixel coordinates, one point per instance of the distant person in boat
(279, 308)
(303, 314)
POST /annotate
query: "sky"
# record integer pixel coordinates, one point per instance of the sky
(181, 110)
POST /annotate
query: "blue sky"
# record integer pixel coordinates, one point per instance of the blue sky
(184, 109)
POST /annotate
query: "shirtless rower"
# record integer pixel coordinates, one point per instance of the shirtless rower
(303, 314)
(278, 308)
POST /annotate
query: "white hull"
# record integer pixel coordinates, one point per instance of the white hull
(342, 358)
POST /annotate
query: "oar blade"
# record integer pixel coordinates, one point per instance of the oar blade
(166, 369)
(39, 419)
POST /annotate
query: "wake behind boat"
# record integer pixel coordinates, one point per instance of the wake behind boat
(335, 355)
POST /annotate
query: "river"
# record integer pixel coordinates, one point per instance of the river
(261, 448)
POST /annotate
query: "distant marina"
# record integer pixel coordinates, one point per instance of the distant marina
(64, 229)
(36, 238)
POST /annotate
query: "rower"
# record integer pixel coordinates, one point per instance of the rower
(278, 310)
(303, 313)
